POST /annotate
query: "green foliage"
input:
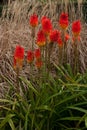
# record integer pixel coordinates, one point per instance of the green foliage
(59, 103)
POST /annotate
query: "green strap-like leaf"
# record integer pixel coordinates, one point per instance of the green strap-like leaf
(6, 120)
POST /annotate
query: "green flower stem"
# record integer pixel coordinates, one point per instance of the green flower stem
(65, 53)
(33, 41)
(33, 36)
(75, 57)
(49, 56)
(17, 81)
(60, 56)
(46, 54)
(40, 80)
(31, 71)
(43, 60)
(64, 48)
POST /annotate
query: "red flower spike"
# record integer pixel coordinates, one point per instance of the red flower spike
(18, 56)
(33, 20)
(54, 35)
(46, 25)
(38, 64)
(19, 53)
(41, 40)
(43, 18)
(76, 28)
(30, 56)
(60, 42)
(37, 53)
(63, 21)
(67, 37)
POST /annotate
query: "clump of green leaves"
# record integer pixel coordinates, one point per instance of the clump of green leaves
(58, 103)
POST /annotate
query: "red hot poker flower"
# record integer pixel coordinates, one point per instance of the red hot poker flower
(19, 53)
(41, 40)
(63, 21)
(30, 56)
(54, 35)
(37, 53)
(38, 64)
(46, 25)
(18, 56)
(76, 28)
(43, 18)
(60, 42)
(33, 20)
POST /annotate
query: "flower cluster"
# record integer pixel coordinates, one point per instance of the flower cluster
(47, 34)
(19, 57)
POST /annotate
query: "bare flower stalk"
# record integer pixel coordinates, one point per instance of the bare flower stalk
(33, 38)
(60, 56)
(64, 48)
(50, 49)
(17, 81)
(75, 48)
